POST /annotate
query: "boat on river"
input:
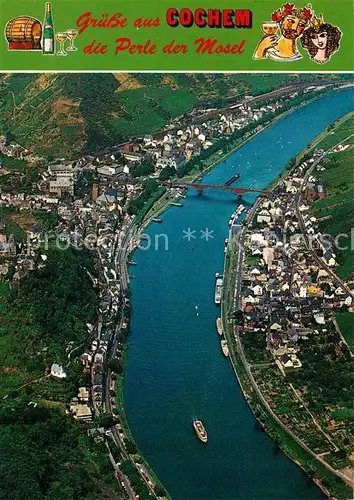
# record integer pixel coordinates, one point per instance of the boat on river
(224, 348)
(232, 180)
(218, 288)
(200, 430)
(219, 326)
(236, 215)
(209, 382)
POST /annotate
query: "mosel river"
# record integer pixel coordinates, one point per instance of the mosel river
(175, 370)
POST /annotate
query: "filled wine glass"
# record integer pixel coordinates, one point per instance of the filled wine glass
(270, 27)
(72, 33)
(62, 36)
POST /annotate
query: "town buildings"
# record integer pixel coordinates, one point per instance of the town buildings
(288, 291)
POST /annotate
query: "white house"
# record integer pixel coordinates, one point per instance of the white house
(257, 239)
(322, 275)
(255, 272)
(348, 301)
(329, 259)
(257, 290)
(264, 216)
(319, 318)
(57, 371)
(276, 212)
(250, 299)
(286, 361)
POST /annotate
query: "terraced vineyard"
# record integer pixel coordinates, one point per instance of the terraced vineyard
(148, 110)
(64, 115)
(36, 114)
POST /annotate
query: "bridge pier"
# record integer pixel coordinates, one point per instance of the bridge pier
(239, 197)
(199, 192)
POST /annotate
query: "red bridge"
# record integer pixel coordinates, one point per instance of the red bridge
(201, 187)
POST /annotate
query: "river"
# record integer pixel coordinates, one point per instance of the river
(175, 370)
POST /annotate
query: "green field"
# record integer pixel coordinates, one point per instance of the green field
(4, 290)
(346, 324)
(338, 133)
(346, 260)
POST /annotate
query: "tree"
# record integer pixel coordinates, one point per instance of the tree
(326, 288)
(150, 186)
(130, 446)
(9, 136)
(11, 272)
(239, 317)
(291, 163)
(142, 169)
(105, 420)
(116, 366)
(167, 172)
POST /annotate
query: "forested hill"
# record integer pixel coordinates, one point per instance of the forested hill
(67, 114)
(45, 455)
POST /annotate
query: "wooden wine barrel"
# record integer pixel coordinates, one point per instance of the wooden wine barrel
(24, 29)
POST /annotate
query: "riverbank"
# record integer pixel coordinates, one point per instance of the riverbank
(159, 207)
(266, 417)
(120, 411)
(309, 149)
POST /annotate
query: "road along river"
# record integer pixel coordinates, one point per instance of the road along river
(175, 370)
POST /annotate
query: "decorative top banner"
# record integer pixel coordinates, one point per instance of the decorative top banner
(251, 35)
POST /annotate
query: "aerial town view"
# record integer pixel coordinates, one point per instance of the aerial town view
(176, 286)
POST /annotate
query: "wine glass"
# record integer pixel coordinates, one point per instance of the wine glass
(270, 27)
(72, 33)
(62, 36)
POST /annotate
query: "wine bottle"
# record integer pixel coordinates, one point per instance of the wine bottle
(48, 31)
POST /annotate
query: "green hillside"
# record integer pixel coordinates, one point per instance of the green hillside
(336, 210)
(45, 454)
(66, 114)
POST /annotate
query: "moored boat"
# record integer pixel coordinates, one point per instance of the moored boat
(218, 289)
(219, 326)
(200, 430)
(224, 348)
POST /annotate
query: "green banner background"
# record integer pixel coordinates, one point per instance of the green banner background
(65, 14)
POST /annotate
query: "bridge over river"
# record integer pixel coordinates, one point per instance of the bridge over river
(239, 191)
